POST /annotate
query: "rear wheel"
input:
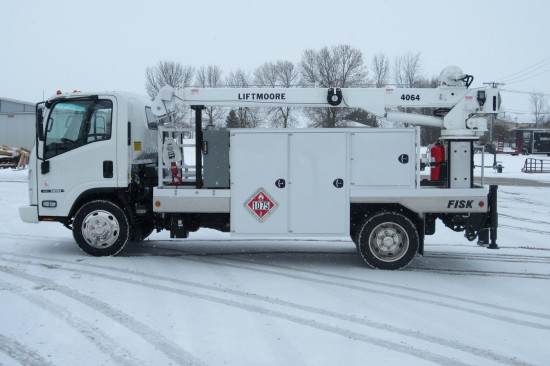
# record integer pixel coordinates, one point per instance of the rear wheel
(101, 228)
(388, 240)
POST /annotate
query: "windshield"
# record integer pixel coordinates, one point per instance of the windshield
(72, 124)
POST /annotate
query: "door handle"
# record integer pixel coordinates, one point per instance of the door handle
(45, 167)
(280, 183)
(338, 183)
(107, 169)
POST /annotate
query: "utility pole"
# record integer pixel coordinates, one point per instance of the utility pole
(494, 84)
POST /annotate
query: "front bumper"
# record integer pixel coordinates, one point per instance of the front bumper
(29, 214)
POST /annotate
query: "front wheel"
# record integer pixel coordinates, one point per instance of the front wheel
(101, 228)
(388, 240)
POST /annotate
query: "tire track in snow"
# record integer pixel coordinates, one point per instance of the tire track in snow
(171, 350)
(408, 289)
(313, 323)
(297, 319)
(523, 219)
(101, 340)
(20, 353)
(466, 272)
(511, 258)
(33, 237)
(400, 296)
(526, 201)
(171, 252)
(442, 255)
(523, 228)
(385, 286)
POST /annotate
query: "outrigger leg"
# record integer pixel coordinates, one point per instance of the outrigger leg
(492, 220)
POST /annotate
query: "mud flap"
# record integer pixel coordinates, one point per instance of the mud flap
(490, 226)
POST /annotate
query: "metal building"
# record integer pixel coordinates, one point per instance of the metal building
(17, 120)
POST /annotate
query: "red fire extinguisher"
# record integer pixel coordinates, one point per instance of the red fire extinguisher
(437, 153)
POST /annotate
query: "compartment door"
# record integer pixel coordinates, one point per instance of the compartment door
(259, 200)
(383, 159)
(319, 186)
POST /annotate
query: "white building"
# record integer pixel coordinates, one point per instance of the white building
(17, 123)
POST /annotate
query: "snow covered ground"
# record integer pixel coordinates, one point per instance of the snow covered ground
(215, 301)
(511, 166)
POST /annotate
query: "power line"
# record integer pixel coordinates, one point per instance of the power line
(515, 81)
(513, 76)
(526, 74)
(523, 92)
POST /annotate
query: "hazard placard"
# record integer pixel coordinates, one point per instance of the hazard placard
(261, 205)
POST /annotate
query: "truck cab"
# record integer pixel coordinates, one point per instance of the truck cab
(87, 147)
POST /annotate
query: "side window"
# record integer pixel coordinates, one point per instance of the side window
(72, 124)
(100, 124)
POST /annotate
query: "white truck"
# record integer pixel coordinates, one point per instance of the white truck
(113, 168)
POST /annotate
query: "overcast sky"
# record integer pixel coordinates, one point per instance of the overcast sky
(107, 45)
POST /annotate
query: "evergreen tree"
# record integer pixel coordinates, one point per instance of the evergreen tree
(231, 121)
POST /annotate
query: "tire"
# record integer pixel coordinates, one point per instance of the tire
(355, 238)
(101, 228)
(388, 240)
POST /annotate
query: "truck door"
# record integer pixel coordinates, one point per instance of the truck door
(78, 153)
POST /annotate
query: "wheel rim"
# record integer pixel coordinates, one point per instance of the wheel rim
(100, 229)
(389, 242)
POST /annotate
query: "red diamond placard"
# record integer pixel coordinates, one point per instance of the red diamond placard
(261, 205)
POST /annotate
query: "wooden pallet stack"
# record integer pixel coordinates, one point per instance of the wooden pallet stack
(11, 157)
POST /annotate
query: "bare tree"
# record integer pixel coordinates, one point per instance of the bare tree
(288, 74)
(210, 77)
(407, 70)
(340, 66)
(248, 117)
(406, 74)
(539, 107)
(238, 79)
(278, 74)
(381, 70)
(169, 73)
(266, 75)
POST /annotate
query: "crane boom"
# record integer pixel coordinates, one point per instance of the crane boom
(461, 107)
